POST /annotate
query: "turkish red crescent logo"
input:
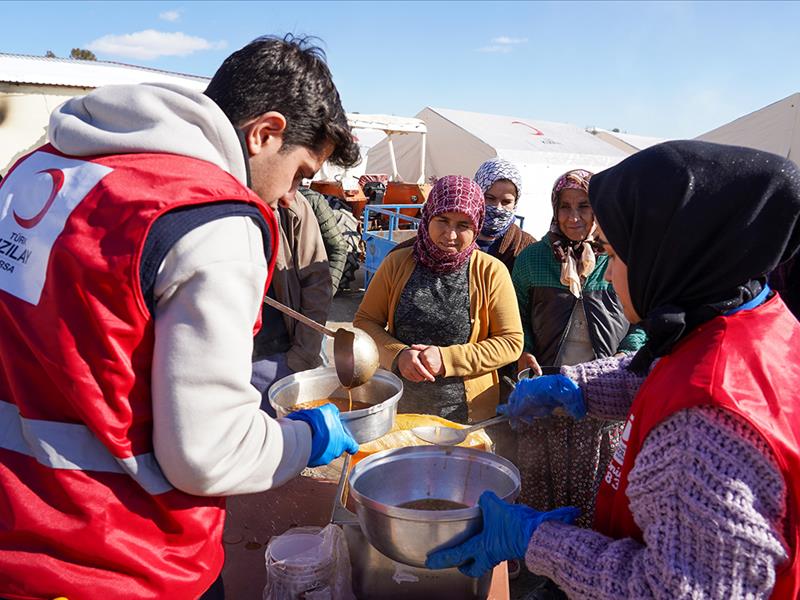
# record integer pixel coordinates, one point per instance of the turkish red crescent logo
(58, 181)
(535, 131)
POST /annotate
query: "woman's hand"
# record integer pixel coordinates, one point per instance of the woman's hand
(411, 366)
(528, 361)
(431, 357)
(542, 397)
(507, 531)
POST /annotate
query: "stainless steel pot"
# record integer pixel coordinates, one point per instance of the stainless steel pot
(377, 577)
(382, 391)
(381, 482)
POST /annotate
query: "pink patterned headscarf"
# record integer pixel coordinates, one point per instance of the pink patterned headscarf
(452, 193)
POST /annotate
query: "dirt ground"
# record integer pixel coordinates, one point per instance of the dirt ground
(344, 307)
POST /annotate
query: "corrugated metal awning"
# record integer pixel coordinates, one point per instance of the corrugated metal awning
(39, 70)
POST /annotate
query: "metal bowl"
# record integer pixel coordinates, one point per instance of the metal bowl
(382, 391)
(381, 482)
(529, 374)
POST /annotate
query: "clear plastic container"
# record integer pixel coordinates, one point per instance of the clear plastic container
(308, 563)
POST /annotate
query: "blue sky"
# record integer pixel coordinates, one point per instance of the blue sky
(667, 69)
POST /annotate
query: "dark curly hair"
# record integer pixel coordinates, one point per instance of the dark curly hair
(288, 75)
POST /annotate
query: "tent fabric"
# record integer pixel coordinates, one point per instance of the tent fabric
(627, 142)
(366, 138)
(774, 128)
(385, 123)
(459, 141)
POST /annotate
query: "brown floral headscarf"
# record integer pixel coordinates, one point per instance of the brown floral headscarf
(577, 258)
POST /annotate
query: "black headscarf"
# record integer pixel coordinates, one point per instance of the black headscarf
(699, 226)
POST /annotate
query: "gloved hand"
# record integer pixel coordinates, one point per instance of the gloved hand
(507, 530)
(329, 438)
(541, 396)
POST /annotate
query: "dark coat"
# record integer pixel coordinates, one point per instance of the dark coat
(546, 307)
(514, 241)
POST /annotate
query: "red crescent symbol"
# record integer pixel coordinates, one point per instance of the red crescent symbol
(535, 131)
(58, 181)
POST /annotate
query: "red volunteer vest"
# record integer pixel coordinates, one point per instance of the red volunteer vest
(85, 510)
(745, 363)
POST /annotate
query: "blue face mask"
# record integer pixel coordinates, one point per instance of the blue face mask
(496, 221)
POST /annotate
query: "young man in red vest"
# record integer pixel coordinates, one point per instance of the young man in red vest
(135, 250)
(701, 496)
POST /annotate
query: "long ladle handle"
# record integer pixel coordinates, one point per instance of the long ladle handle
(296, 315)
(486, 423)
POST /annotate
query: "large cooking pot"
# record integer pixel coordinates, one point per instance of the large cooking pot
(382, 391)
(385, 480)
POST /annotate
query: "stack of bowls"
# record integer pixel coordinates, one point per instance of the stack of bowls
(297, 566)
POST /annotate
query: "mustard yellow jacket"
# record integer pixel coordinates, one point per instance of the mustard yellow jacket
(495, 339)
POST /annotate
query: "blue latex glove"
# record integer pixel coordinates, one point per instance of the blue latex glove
(507, 530)
(329, 438)
(539, 397)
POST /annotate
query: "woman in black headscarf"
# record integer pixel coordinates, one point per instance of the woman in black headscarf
(786, 280)
(701, 497)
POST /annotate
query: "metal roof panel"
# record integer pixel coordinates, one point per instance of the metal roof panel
(17, 68)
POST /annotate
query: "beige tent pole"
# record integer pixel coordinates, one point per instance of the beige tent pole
(393, 158)
(421, 179)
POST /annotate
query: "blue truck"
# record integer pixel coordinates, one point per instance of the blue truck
(395, 227)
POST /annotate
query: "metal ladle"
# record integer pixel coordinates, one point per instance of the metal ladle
(355, 354)
(450, 436)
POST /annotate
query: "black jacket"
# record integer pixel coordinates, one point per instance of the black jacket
(546, 307)
(551, 314)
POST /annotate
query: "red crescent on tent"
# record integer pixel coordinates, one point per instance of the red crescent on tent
(535, 131)
(58, 181)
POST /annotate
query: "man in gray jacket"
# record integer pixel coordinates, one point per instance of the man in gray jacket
(125, 360)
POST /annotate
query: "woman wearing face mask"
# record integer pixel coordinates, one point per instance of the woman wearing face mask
(439, 312)
(501, 183)
(701, 498)
(570, 315)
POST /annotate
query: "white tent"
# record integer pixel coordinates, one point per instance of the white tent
(458, 142)
(627, 142)
(368, 130)
(774, 128)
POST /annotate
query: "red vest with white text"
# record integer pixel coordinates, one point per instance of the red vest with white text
(85, 511)
(746, 363)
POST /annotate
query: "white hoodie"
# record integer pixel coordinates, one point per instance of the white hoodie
(210, 437)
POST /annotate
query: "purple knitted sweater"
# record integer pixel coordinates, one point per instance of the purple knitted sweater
(705, 491)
